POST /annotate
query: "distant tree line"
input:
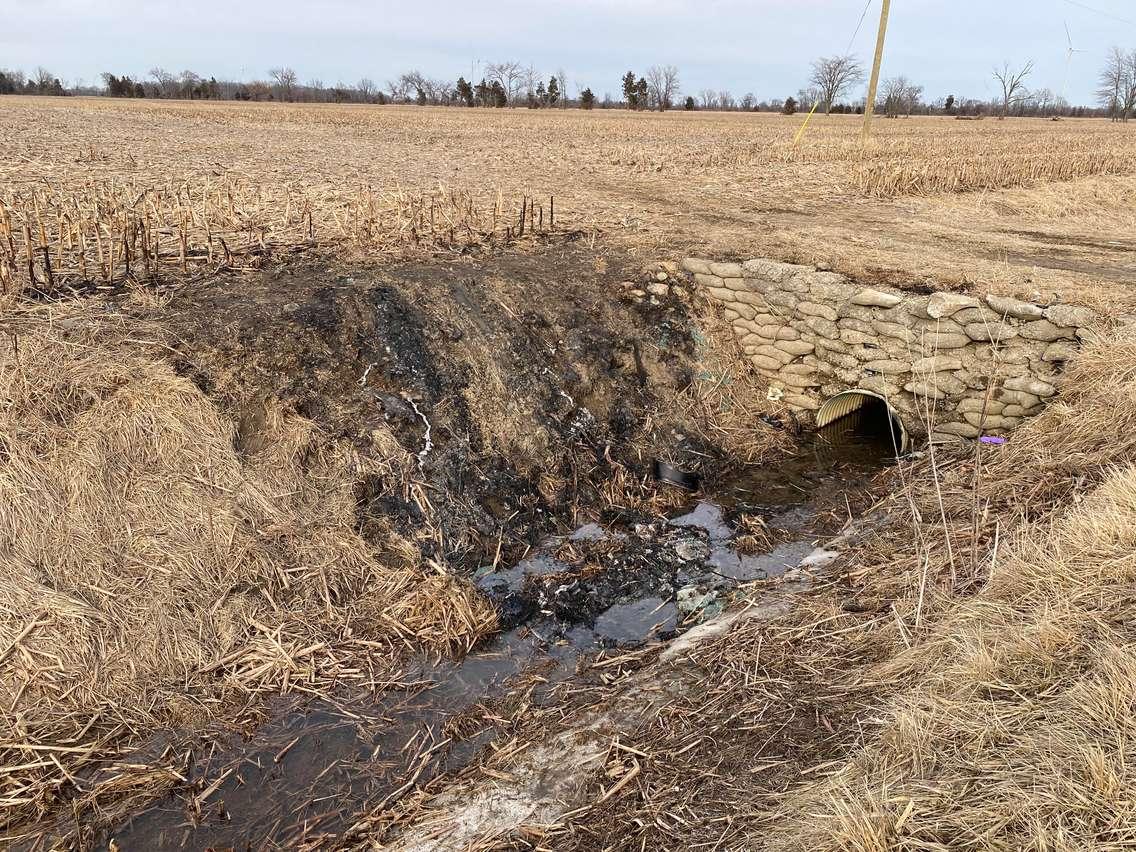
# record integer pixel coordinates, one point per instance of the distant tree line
(282, 84)
(187, 86)
(43, 82)
(832, 79)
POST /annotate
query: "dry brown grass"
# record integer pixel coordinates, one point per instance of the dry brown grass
(727, 399)
(1015, 723)
(157, 568)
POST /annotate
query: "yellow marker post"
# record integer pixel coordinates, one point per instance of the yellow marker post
(801, 132)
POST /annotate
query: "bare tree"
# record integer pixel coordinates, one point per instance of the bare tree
(414, 86)
(526, 85)
(508, 74)
(367, 89)
(399, 89)
(748, 101)
(900, 96)
(285, 79)
(1117, 92)
(725, 100)
(417, 87)
(167, 83)
(1111, 83)
(662, 85)
(188, 82)
(891, 92)
(1013, 84)
(1043, 101)
(807, 98)
(708, 99)
(1128, 89)
(833, 76)
(562, 82)
(424, 87)
(410, 84)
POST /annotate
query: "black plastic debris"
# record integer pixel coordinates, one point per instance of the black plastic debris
(669, 473)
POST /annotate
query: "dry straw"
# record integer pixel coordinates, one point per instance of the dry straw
(1015, 723)
(153, 574)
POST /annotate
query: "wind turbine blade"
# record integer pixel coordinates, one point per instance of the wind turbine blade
(1067, 35)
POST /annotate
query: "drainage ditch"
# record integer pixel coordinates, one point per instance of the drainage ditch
(303, 775)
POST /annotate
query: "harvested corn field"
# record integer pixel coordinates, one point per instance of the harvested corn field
(93, 190)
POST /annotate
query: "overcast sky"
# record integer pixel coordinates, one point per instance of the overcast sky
(760, 46)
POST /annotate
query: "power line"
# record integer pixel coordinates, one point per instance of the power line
(863, 15)
(1102, 12)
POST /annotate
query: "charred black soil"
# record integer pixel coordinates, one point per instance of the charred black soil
(520, 384)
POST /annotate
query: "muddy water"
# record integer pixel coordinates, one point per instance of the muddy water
(303, 775)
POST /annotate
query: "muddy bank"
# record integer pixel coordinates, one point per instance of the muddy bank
(525, 388)
(320, 773)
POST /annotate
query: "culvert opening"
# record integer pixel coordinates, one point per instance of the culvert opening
(863, 419)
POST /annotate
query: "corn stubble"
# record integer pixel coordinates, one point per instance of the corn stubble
(114, 231)
(93, 193)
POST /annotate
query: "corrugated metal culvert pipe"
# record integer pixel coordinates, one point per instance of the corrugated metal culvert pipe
(859, 414)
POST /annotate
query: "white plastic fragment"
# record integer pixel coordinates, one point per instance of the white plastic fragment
(428, 444)
(818, 558)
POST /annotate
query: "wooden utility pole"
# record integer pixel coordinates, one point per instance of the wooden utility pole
(870, 104)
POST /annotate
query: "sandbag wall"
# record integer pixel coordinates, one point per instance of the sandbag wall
(953, 365)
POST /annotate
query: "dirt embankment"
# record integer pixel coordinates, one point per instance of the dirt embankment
(521, 387)
(274, 482)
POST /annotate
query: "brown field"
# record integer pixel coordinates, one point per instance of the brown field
(223, 326)
(192, 185)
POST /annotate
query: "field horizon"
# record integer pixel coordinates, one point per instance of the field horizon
(956, 201)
